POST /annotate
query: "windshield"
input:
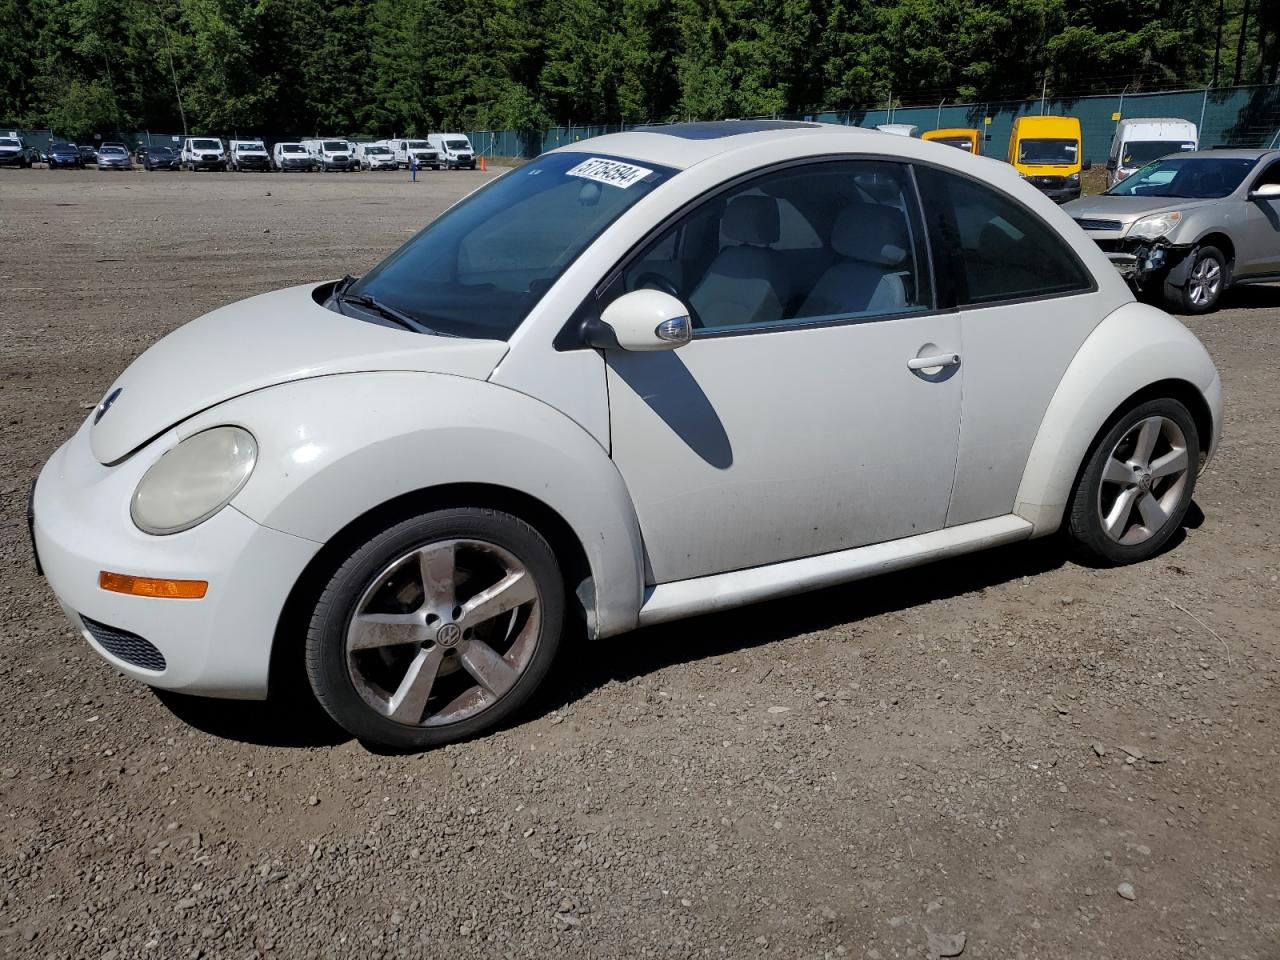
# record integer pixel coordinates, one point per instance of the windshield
(457, 145)
(112, 151)
(1200, 178)
(9, 142)
(376, 150)
(1137, 153)
(206, 145)
(63, 146)
(1056, 151)
(291, 148)
(334, 145)
(251, 148)
(418, 145)
(159, 151)
(480, 268)
(964, 143)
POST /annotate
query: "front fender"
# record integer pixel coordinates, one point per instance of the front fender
(1134, 347)
(330, 449)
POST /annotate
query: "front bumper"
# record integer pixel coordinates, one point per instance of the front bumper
(253, 163)
(1138, 260)
(218, 646)
(12, 160)
(331, 164)
(206, 164)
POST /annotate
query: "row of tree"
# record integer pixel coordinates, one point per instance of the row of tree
(380, 67)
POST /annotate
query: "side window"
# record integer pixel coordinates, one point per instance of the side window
(988, 248)
(1269, 175)
(829, 241)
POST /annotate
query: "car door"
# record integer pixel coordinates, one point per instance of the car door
(817, 407)
(1026, 304)
(1261, 246)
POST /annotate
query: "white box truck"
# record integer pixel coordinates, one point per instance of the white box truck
(1139, 141)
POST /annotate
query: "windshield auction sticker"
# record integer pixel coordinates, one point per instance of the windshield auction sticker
(613, 172)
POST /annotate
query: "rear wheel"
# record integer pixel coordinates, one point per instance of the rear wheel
(436, 629)
(1137, 484)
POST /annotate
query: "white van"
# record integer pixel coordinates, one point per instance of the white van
(453, 149)
(1139, 141)
(330, 154)
(899, 129)
(375, 156)
(203, 153)
(248, 155)
(421, 151)
(291, 156)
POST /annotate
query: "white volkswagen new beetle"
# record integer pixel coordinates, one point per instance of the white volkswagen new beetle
(643, 377)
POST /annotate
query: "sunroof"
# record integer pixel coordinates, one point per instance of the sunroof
(714, 130)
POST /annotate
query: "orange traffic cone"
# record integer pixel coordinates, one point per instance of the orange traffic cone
(482, 166)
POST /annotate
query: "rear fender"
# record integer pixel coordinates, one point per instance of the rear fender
(1135, 347)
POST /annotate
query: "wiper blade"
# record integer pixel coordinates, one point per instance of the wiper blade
(391, 313)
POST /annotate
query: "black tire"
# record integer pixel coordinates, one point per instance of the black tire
(1084, 527)
(326, 650)
(1185, 299)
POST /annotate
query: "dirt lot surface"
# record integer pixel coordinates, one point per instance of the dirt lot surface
(978, 753)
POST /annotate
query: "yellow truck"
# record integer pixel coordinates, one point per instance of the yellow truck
(1047, 151)
(962, 137)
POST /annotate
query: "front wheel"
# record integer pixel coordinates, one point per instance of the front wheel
(1137, 484)
(436, 629)
(1206, 282)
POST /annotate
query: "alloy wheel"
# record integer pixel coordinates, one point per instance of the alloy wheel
(1143, 480)
(1205, 281)
(443, 632)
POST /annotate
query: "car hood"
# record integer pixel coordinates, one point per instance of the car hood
(260, 342)
(1128, 209)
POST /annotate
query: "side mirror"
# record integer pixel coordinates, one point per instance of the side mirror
(642, 320)
(1111, 164)
(1268, 191)
(1088, 165)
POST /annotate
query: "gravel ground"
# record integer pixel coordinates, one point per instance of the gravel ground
(1007, 754)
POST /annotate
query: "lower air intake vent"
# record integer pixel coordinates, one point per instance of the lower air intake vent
(125, 646)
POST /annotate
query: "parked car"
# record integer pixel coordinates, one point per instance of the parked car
(409, 151)
(375, 156)
(14, 152)
(62, 154)
(330, 155)
(248, 155)
(203, 153)
(1189, 226)
(292, 156)
(1139, 141)
(899, 129)
(160, 158)
(88, 154)
(112, 156)
(1047, 152)
(964, 138)
(453, 150)
(642, 377)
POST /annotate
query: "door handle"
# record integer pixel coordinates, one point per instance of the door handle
(927, 363)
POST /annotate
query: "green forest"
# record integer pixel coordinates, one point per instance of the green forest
(380, 67)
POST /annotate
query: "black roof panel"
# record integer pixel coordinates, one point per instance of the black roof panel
(715, 130)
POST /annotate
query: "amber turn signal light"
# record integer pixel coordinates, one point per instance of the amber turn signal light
(152, 587)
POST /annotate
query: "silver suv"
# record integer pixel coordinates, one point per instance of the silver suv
(1188, 226)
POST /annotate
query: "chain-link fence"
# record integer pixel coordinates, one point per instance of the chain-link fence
(1226, 116)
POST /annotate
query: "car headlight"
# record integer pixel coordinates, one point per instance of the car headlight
(1155, 225)
(194, 480)
(1073, 178)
